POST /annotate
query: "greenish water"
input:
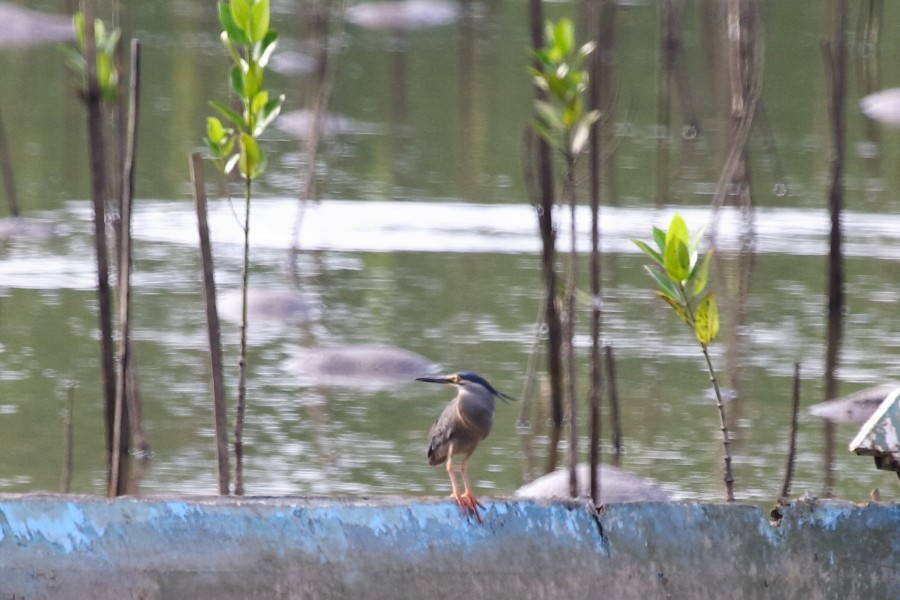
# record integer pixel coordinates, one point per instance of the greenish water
(425, 241)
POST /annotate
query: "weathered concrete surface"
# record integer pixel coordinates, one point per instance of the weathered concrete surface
(81, 547)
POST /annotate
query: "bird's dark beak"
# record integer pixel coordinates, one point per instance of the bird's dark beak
(437, 379)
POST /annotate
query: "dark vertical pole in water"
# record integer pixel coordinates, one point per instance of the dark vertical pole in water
(9, 185)
(548, 255)
(669, 42)
(836, 53)
(98, 195)
(68, 437)
(595, 15)
(123, 412)
(569, 329)
(212, 321)
(135, 411)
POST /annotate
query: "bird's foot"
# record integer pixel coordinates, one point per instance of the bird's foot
(469, 505)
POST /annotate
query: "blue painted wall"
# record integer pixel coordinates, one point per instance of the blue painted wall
(85, 547)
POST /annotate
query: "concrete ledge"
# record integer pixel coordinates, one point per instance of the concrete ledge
(223, 548)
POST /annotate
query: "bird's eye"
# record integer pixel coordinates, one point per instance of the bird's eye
(455, 379)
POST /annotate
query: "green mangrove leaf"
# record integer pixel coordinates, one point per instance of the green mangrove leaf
(549, 114)
(229, 27)
(237, 81)
(700, 274)
(240, 14)
(549, 136)
(267, 47)
(656, 256)
(676, 306)
(676, 259)
(214, 130)
(706, 323)
(659, 236)
(696, 238)
(259, 22)
(253, 81)
(269, 111)
(564, 37)
(258, 101)
(78, 27)
(250, 157)
(665, 284)
(677, 230)
(229, 114)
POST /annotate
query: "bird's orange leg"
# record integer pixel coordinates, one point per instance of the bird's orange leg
(469, 499)
(455, 494)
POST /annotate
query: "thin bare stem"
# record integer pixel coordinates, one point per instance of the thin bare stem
(242, 359)
(614, 404)
(726, 444)
(792, 446)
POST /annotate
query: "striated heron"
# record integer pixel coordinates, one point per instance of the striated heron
(464, 423)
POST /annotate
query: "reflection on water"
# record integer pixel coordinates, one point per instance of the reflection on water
(468, 301)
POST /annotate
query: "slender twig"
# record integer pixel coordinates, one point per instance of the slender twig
(723, 422)
(242, 359)
(726, 443)
(617, 439)
(212, 320)
(792, 445)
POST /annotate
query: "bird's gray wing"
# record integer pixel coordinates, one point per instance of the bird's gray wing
(440, 436)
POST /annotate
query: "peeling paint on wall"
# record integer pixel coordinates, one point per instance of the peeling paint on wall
(222, 548)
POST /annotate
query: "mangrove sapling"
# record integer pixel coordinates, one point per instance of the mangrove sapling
(92, 61)
(544, 201)
(250, 43)
(680, 278)
(563, 122)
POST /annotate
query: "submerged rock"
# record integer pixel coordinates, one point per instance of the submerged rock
(291, 62)
(883, 106)
(25, 227)
(856, 407)
(403, 14)
(300, 123)
(616, 485)
(22, 26)
(371, 367)
(271, 305)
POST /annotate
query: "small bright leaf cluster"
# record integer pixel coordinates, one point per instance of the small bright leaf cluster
(561, 118)
(250, 43)
(105, 41)
(681, 277)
